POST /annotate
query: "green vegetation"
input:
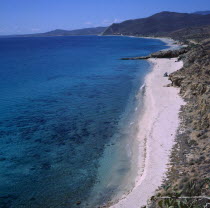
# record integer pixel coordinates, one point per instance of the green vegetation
(191, 196)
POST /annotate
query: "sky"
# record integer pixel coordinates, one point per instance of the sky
(34, 16)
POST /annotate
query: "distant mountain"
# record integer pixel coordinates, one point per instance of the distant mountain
(85, 31)
(202, 12)
(158, 25)
(59, 32)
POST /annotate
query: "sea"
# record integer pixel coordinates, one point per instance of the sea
(67, 106)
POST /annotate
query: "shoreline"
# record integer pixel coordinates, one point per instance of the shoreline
(156, 133)
(171, 43)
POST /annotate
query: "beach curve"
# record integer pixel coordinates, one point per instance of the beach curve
(157, 130)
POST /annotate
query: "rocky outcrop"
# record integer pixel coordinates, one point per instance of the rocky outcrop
(169, 53)
(162, 54)
(176, 80)
(136, 58)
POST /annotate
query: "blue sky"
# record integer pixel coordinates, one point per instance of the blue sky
(33, 16)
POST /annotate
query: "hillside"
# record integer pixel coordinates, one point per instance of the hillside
(189, 173)
(193, 34)
(188, 178)
(158, 25)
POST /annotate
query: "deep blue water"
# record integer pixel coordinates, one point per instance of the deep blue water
(61, 100)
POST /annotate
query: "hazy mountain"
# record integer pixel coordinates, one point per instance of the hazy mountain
(60, 32)
(202, 12)
(85, 31)
(158, 24)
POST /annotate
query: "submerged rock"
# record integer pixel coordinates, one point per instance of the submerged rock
(78, 202)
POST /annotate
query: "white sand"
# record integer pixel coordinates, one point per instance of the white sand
(157, 127)
(169, 42)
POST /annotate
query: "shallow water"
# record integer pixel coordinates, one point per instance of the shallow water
(64, 101)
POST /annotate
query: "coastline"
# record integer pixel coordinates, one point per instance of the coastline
(171, 43)
(157, 130)
(117, 177)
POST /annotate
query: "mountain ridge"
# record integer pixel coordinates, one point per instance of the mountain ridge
(158, 24)
(61, 32)
(202, 12)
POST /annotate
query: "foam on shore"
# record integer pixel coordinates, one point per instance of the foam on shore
(156, 134)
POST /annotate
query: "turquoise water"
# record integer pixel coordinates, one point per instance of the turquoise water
(62, 102)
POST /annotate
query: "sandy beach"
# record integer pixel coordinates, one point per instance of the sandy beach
(157, 130)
